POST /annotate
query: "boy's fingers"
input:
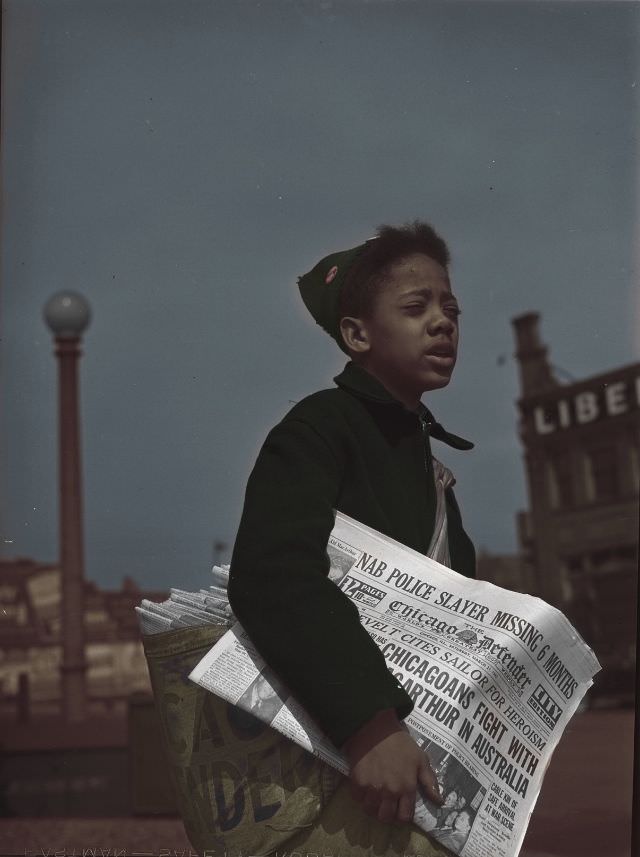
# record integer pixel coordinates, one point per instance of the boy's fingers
(387, 810)
(371, 799)
(406, 807)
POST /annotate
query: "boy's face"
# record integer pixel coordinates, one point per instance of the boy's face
(412, 333)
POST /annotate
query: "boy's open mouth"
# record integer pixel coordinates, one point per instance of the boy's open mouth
(444, 349)
(442, 355)
(443, 360)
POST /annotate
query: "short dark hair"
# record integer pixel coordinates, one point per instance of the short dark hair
(367, 275)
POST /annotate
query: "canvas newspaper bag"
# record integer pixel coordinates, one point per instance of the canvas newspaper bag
(241, 787)
(244, 788)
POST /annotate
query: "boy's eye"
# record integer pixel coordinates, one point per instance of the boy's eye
(453, 311)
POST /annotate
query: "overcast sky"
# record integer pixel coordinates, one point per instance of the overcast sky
(181, 162)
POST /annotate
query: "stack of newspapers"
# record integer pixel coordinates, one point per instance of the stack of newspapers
(188, 609)
(495, 677)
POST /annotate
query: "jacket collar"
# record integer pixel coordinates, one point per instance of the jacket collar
(357, 380)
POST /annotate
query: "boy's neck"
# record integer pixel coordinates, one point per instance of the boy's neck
(410, 400)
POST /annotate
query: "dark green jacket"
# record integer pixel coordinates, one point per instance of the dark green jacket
(358, 450)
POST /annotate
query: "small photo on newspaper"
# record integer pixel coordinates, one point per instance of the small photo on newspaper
(495, 676)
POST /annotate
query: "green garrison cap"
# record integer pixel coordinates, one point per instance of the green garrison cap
(320, 288)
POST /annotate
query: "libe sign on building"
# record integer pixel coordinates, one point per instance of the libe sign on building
(610, 399)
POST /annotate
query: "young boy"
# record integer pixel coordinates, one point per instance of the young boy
(362, 448)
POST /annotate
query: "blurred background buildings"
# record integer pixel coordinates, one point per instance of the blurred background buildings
(581, 444)
(31, 642)
(579, 537)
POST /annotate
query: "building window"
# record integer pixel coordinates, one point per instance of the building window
(601, 472)
(560, 481)
(566, 581)
(575, 564)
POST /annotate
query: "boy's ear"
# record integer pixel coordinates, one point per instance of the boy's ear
(355, 335)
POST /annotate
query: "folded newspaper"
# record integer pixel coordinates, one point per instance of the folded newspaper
(495, 677)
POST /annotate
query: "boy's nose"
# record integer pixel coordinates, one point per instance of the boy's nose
(441, 322)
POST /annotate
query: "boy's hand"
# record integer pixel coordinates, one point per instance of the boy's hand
(386, 768)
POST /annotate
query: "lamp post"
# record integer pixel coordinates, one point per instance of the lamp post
(67, 314)
(635, 801)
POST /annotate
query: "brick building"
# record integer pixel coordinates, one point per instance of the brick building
(580, 536)
(31, 646)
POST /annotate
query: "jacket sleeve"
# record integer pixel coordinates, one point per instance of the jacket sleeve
(302, 624)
